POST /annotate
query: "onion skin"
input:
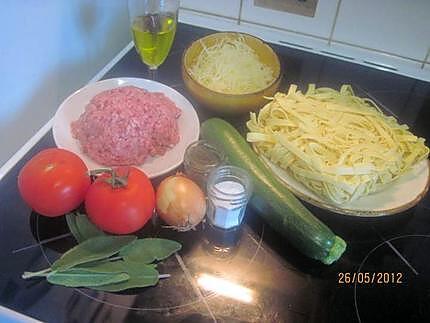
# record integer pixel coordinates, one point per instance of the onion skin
(180, 202)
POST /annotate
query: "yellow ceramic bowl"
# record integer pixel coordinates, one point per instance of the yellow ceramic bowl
(231, 104)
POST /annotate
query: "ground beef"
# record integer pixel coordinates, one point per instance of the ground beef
(124, 126)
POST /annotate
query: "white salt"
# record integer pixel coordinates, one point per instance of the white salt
(226, 214)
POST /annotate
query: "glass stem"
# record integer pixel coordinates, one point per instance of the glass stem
(153, 73)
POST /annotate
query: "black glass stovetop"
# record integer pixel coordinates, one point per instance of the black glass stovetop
(273, 282)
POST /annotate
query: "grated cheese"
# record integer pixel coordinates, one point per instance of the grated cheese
(231, 66)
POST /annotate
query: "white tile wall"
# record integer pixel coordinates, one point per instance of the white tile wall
(320, 25)
(268, 34)
(290, 39)
(384, 61)
(227, 8)
(392, 33)
(206, 20)
(395, 26)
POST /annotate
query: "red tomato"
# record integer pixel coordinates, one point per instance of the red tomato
(121, 210)
(54, 182)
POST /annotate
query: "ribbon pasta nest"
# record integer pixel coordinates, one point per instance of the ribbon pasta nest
(338, 145)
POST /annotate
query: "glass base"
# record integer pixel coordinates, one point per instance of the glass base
(223, 238)
(153, 72)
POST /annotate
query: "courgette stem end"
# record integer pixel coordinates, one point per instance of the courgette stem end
(338, 248)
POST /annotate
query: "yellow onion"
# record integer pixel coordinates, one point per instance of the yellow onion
(180, 202)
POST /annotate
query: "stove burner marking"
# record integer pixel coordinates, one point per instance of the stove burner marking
(61, 236)
(370, 252)
(194, 285)
(401, 257)
(258, 243)
(103, 295)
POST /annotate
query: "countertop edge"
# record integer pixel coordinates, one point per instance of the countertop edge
(11, 162)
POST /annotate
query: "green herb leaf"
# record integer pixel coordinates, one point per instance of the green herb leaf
(82, 278)
(150, 249)
(140, 276)
(92, 249)
(81, 227)
(71, 223)
(102, 266)
(87, 228)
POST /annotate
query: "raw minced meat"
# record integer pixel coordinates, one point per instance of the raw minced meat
(125, 125)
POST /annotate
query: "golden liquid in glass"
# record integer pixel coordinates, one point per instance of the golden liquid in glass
(153, 37)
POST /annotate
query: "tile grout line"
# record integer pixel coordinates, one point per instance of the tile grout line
(4, 169)
(239, 18)
(284, 29)
(425, 59)
(209, 14)
(355, 46)
(193, 284)
(379, 51)
(333, 41)
(336, 15)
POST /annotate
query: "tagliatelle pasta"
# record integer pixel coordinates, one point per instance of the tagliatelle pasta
(339, 145)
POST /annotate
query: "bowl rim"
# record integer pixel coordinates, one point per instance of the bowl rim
(274, 81)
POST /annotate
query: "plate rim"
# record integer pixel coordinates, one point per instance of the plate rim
(344, 211)
(129, 80)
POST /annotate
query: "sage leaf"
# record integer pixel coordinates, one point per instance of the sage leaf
(90, 250)
(148, 250)
(81, 227)
(71, 223)
(86, 228)
(140, 276)
(82, 278)
(102, 266)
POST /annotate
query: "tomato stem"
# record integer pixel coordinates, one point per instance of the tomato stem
(99, 171)
(115, 181)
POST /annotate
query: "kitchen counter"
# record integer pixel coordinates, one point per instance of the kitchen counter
(283, 285)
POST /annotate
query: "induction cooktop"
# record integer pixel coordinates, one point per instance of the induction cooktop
(382, 277)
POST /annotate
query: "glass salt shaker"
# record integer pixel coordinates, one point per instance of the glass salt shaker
(199, 160)
(229, 189)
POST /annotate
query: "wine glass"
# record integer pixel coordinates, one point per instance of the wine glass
(153, 25)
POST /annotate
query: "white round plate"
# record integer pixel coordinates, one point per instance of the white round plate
(400, 195)
(74, 106)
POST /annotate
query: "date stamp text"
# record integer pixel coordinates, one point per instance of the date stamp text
(346, 278)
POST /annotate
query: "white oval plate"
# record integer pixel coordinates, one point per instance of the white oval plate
(74, 106)
(400, 195)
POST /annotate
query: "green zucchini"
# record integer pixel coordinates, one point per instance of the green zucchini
(289, 217)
